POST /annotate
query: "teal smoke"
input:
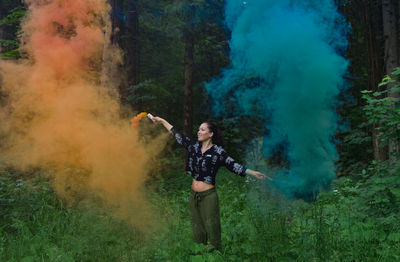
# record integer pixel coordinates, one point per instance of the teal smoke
(288, 66)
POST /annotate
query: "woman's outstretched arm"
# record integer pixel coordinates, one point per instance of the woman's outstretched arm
(183, 140)
(239, 169)
(164, 122)
(256, 174)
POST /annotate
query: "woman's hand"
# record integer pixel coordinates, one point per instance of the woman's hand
(158, 120)
(257, 174)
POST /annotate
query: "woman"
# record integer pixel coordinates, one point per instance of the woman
(205, 156)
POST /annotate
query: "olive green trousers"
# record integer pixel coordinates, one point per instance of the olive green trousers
(204, 217)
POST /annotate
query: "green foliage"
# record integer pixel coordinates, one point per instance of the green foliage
(377, 184)
(14, 18)
(36, 226)
(355, 147)
(150, 96)
(10, 25)
(13, 54)
(258, 224)
(379, 189)
(8, 43)
(383, 109)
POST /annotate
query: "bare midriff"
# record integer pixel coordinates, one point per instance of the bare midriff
(200, 186)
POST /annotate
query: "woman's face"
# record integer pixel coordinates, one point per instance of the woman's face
(204, 133)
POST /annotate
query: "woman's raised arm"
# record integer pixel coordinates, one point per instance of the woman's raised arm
(183, 140)
(164, 122)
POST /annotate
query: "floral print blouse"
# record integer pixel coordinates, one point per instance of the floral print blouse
(204, 166)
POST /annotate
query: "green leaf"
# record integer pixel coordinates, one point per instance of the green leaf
(394, 90)
(386, 80)
(28, 259)
(394, 237)
(396, 71)
(366, 91)
(11, 54)
(395, 192)
(197, 258)
(14, 17)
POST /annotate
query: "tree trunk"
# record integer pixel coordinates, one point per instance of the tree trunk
(116, 21)
(112, 60)
(188, 68)
(389, 19)
(375, 72)
(188, 87)
(132, 46)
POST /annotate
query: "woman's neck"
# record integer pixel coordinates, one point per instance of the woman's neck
(206, 145)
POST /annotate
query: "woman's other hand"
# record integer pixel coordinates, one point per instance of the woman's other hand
(257, 174)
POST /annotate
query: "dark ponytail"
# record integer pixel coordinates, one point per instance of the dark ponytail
(217, 138)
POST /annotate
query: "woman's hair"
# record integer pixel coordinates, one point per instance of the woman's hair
(217, 138)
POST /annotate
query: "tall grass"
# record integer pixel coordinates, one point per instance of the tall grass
(257, 225)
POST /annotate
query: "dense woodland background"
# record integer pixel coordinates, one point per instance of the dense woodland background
(170, 49)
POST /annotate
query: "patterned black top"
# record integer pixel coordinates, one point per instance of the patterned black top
(204, 167)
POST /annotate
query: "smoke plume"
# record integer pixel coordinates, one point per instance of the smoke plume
(63, 115)
(287, 66)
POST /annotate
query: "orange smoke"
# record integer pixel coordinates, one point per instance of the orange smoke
(60, 115)
(137, 118)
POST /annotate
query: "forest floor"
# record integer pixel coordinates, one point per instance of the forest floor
(257, 225)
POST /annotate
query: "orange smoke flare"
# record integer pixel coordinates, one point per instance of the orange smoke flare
(63, 113)
(137, 118)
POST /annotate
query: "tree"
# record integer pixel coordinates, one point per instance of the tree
(123, 32)
(389, 19)
(112, 63)
(116, 20)
(131, 42)
(188, 32)
(365, 52)
(370, 15)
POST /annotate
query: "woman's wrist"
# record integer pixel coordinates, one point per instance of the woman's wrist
(165, 123)
(257, 174)
(249, 172)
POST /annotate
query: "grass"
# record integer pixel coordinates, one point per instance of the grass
(257, 225)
